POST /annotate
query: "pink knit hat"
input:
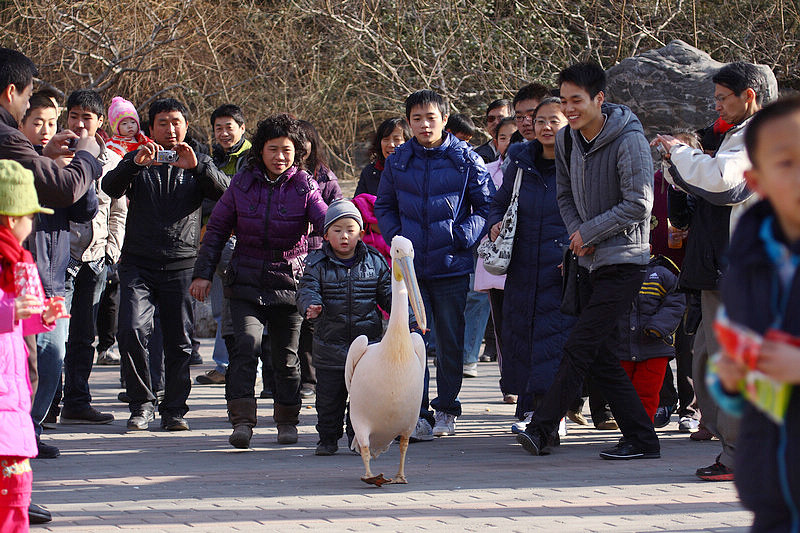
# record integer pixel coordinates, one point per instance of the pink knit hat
(121, 109)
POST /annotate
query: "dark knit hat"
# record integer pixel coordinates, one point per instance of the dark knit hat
(342, 209)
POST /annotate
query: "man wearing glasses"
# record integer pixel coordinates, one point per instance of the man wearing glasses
(717, 182)
(497, 110)
(525, 103)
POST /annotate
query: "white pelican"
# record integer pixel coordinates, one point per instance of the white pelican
(385, 380)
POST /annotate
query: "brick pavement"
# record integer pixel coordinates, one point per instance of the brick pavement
(480, 479)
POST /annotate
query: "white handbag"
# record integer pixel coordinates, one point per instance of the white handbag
(496, 254)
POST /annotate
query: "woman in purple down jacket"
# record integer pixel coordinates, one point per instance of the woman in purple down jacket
(269, 207)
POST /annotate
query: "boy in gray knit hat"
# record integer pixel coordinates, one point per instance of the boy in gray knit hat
(344, 283)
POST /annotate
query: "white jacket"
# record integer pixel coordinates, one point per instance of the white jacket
(718, 179)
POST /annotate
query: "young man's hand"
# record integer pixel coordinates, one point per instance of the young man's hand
(187, 159)
(780, 361)
(54, 308)
(26, 306)
(199, 289)
(313, 311)
(577, 246)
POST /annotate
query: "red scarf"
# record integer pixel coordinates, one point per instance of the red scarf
(11, 253)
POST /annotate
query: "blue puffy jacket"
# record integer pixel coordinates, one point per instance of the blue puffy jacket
(439, 199)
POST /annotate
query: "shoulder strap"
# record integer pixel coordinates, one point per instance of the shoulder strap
(517, 183)
(568, 147)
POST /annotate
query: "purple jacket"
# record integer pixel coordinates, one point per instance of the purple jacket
(270, 221)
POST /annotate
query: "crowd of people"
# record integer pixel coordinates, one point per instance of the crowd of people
(112, 228)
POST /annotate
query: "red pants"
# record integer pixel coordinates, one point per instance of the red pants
(15, 493)
(647, 377)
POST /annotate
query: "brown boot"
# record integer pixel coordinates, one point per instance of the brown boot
(286, 418)
(242, 416)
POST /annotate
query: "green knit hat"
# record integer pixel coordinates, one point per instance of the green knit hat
(17, 192)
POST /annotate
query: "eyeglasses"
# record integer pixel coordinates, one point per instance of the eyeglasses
(554, 123)
(522, 117)
(719, 98)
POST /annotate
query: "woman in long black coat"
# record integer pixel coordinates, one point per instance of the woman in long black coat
(534, 329)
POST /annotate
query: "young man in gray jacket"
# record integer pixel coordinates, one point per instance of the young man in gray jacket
(604, 175)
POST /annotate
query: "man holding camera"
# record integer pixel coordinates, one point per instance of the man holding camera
(166, 182)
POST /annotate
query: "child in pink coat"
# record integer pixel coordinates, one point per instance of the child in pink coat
(23, 311)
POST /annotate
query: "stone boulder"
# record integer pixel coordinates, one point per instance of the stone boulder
(670, 88)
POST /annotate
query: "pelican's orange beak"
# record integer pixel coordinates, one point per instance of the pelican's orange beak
(406, 264)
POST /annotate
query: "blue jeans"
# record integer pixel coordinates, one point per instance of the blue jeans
(447, 299)
(476, 316)
(83, 293)
(217, 297)
(50, 348)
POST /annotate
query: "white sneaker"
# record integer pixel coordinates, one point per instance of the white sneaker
(562, 428)
(471, 370)
(519, 426)
(687, 424)
(423, 431)
(445, 425)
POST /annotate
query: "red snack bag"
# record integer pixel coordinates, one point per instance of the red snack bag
(783, 337)
(738, 342)
(26, 280)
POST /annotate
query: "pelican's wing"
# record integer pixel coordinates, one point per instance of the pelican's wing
(419, 348)
(357, 349)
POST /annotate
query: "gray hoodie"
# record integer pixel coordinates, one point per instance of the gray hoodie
(607, 193)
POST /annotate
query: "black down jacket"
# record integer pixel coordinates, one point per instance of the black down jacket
(349, 297)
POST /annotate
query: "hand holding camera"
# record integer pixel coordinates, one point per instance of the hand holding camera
(67, 142)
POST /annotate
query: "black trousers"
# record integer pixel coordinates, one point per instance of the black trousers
(107, 312)
(331, 404)
(684, 397)
(589, 351)
(141, 290)
(283, 321)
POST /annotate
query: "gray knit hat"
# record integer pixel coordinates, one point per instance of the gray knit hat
(342, 209)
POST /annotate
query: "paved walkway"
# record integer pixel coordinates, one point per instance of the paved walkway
(478, 480)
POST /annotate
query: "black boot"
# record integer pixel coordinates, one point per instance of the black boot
(242, 416)
(286, 418)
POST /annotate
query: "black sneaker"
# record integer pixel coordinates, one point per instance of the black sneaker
(123, 397)
(195, 359)
(90, 415)
(47, 451)
(532, 443)
(266, 394)
(715, 472)
(140, 420)
(326, 448)
(662, 416)
(625, 450)
(38, 514)
(174, 423)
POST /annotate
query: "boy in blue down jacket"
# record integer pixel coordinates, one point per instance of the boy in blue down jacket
(647, 331)
(761, 291)
(435, 191)
(342, 286)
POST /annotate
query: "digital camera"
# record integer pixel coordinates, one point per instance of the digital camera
(166, 156)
